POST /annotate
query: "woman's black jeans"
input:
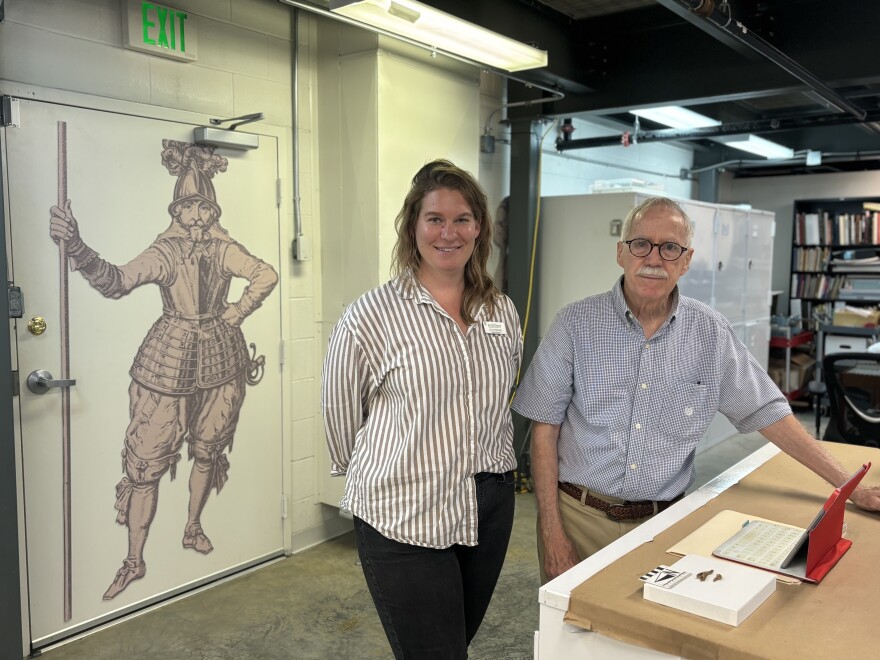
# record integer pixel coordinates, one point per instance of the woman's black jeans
(431, 602)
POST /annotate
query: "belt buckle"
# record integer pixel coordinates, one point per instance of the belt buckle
(612, 507)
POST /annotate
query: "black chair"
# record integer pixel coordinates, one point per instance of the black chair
(852, 381)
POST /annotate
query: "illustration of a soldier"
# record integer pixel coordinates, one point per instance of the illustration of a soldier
(189, 376)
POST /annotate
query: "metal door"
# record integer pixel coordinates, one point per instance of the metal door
(759, 266)
(161, 369)
(698, 281)
(731, 250)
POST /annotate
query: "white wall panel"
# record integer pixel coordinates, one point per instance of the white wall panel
(34, 56)
(186, 87)
(265, 17)
(229, 48)
(258, 94)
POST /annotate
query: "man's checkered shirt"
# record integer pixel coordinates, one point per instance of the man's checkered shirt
(632, 411)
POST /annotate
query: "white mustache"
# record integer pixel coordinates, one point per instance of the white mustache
(652, 271)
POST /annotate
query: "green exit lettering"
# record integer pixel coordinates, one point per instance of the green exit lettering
(164, 27)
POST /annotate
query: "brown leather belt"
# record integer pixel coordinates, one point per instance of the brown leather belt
(624, 511)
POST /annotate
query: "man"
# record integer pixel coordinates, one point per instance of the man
(189, 375)
(623, 387)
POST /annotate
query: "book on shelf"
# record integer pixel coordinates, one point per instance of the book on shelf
(811, 232)
(864, 260)
(825, 228)
(810, 258)
(861, 288)
(816, 285)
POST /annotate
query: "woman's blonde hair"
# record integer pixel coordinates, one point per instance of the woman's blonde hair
(478, 285)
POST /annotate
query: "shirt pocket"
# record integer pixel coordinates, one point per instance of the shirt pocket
(685, 413)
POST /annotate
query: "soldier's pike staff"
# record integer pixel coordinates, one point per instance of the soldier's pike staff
(65, 370)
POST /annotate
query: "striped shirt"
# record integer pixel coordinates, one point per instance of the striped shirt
(632, 410)
(414, 408)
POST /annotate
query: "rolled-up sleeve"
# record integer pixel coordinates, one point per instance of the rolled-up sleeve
(345, 394)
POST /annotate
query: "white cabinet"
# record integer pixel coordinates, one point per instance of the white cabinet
(730, 269)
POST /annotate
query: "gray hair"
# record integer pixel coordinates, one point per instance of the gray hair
(652, 202)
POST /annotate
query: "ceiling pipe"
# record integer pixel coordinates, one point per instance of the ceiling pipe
(748, 166)
(755, 126)
(704, 14)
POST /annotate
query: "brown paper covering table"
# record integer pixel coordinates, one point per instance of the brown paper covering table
(836, 618)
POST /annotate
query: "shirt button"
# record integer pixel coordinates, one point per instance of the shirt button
(644, 386)
(632, 467)
(638, 426)
(648, 345)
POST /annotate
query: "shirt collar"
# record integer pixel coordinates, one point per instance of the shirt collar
(622, 309)
(408, 287)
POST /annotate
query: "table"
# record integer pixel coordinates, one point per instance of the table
(605, 588)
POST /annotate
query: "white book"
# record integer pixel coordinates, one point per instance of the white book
(693, 585)
(811, 228)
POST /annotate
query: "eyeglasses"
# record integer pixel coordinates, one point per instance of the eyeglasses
(641, 247)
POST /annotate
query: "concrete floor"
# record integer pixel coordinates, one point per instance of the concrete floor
(315, 605)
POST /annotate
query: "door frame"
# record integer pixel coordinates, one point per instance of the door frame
(11, 642)
(15, 637)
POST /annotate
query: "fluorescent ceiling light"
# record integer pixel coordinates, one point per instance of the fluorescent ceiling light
(675, 116)
(438, 30)
(757, 145)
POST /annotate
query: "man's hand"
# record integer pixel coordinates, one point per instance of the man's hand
(62, 224)
(232, 316)
(867, 498)
(559, 555)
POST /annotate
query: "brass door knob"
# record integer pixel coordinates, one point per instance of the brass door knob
(37, 325)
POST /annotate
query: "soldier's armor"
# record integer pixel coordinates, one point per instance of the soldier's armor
(190, 347)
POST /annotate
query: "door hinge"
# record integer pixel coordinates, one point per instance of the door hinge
(16, 301)
(284, 506)
(10, 112)
(278, 193)
(281, 354)
(15, 383)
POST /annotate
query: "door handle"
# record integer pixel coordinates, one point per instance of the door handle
(40, 381)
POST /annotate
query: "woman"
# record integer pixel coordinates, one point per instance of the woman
(415, 399)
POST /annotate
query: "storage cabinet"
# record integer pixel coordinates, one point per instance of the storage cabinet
(730, 269)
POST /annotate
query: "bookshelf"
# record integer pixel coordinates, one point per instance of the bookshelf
(835, 256)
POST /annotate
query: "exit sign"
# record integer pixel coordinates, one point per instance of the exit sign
(159, 30)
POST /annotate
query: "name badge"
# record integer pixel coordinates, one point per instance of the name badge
(494, 328)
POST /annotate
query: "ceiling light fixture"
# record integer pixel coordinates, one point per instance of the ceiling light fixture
(675, 116)
(757, 145)
(441, 31)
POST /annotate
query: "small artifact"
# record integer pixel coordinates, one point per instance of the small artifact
(704, 574)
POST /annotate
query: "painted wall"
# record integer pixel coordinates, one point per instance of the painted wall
(778, 194)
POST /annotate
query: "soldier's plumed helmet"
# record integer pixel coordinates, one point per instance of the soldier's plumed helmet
(194, 185)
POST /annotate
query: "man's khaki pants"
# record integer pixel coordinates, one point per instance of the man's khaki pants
(589, 529)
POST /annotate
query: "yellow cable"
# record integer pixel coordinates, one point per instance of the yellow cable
(534, 252)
